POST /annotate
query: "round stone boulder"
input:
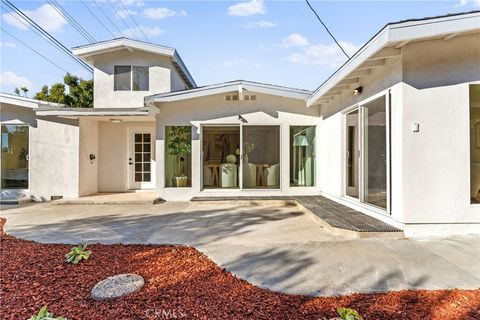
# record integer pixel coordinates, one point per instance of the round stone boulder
(117, 286)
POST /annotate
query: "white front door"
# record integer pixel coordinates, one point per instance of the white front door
(140, 161)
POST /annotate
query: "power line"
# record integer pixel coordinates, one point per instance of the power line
(77, 26)
(331, 35)
(106, 16)
(135, 22)
(47, 35)
(26, 45)
(95, 16)
(33, 30)
(124, 22)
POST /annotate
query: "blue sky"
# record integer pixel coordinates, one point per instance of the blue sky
(278, 42)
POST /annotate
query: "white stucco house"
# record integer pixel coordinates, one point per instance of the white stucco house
(393, 133)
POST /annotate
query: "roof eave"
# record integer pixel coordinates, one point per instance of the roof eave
(396, 33)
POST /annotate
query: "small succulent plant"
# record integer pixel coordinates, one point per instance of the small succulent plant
(349, 314)
(78, 254)
(43, 314)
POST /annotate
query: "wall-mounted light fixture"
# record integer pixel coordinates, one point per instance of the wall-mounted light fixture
(116, 120)
(357, 91)
(242, 119)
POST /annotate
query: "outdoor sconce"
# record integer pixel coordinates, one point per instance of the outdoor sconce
(92, 157)
(357, 91)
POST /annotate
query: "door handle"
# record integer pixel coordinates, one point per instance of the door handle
(130, 163)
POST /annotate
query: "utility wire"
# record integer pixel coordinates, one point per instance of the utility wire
(47, 35)
(26, 45)
(108, 18)
(43, 34)
(77, 26)
(124, 22)
(95, 16)
(323, 24)
(135, 22)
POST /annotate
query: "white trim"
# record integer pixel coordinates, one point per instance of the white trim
(396, 34)
(229, 87)
(86, 52)
(131, 185)
(26, 102)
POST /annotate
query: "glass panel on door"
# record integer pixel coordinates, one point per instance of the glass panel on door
(142, 158)
(375, 152)
(352, 154)
(14, 157)
(221, 156)
(261, 156)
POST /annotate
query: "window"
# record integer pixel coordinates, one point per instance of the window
(140, 79)
(302, 156)
(126, 80)
(122, 78)
(475, 143)
(178, 156)
(14, 157)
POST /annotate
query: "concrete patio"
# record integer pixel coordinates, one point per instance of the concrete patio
(276, 247)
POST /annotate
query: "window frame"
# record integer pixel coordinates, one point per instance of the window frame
(132, 67)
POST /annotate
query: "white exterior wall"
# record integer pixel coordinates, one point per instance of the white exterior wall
(430, 170)
(53, 153)
(215, 110)
(113, 154)
(161, 78)
(436, 160)
(88, 168)
(331, 154)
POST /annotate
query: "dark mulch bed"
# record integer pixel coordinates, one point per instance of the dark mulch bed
(180, 282)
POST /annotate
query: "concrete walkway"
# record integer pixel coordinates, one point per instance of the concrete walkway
(276, 247)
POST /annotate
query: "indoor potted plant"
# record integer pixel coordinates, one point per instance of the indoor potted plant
(180, 145)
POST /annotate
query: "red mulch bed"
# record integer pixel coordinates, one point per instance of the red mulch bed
(181, 283)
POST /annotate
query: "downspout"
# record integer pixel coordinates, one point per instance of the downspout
(390, 147)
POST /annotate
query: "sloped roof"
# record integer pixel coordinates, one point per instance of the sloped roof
(26, 102)
(387, 43)
(230, 86)
(89, 50)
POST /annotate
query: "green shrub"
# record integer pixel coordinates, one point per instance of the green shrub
(349, 314)
(43, 314)
(78, 253)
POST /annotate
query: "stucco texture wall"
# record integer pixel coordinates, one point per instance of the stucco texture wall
(215, 109)
(53, 154)
(113, 154)
(436, 160)
(161, 78)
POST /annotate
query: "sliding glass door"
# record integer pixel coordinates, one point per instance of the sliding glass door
(366, 153)
(375, 152)
(261, 157)
(352, 163)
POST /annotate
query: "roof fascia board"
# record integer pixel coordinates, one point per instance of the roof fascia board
(70, 113)
(230, 87)
(26, 102)
(202, 92)
(363, 54)
(395, 33)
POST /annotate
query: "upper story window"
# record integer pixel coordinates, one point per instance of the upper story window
(131, 78)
